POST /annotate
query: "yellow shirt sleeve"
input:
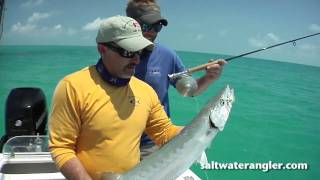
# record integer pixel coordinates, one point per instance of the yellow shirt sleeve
(159, 126)
(64, 123)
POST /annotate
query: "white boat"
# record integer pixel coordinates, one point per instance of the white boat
(25, 155)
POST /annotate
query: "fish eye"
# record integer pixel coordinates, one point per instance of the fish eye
(222, 102)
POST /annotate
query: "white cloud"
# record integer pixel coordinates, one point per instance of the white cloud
(56, 30)
(32, 3)
(94, 25)
(35, 30)
(23, 29)
(273, 37)
(57, 27)
(71, 31)
(314, 27)
(267, 39)
(38, 16)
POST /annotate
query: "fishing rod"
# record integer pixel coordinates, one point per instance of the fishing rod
(2, 9)
(203, 66)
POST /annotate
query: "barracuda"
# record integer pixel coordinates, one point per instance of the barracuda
(175, 157)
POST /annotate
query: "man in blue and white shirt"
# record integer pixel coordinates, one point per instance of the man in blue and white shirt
(155, 65)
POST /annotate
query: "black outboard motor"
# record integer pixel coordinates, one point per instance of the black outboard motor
(26, 113)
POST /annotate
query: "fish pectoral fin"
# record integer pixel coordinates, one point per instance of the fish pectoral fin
(203, 160)
(110, 176)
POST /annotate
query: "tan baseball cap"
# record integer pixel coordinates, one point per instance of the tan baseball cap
(125, 32)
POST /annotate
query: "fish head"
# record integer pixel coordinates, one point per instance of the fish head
(219, 114)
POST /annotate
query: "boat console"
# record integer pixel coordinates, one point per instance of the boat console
(24, 152)
(25, 113)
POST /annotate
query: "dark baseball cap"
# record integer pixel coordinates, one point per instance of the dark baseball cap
(146, 13)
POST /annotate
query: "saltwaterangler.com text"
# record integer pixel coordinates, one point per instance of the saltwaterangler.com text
(265, 167)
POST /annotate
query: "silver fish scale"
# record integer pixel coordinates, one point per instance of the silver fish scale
(175, 157)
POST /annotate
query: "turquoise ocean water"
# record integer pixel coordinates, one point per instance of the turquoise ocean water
(276, 116)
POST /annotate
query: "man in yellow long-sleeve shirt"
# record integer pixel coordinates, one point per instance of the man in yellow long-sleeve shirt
(100, 112)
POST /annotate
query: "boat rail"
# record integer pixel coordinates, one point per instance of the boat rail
(27, 144)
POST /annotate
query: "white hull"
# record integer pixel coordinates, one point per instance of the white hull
(28, 166)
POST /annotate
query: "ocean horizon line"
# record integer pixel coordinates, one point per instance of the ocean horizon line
(178, 51)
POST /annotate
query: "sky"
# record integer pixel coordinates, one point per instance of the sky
(230, 27)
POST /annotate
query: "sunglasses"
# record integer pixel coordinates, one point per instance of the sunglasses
(122, 52)
(147, 27)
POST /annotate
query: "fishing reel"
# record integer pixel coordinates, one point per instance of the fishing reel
(186, 85)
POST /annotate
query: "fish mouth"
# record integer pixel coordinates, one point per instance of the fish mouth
(219, 114)
(211, 123)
